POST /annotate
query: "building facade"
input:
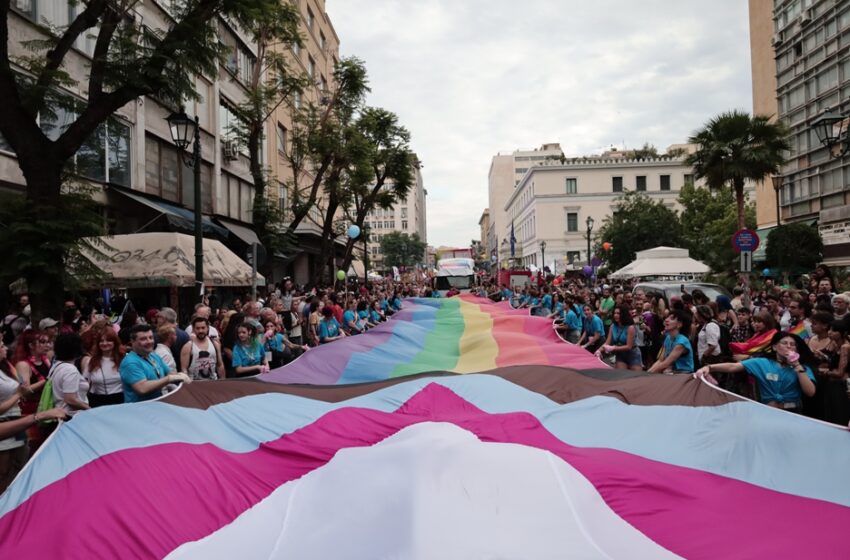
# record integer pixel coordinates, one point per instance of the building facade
(553, 201)
(811, 75)
(407, 216)
(506, 172)
(484, 233)
(142, 181)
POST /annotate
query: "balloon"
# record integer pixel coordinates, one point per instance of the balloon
(606, 246)
(340, 275)
(588, 270)
(557, 281)
(353, 232)
(765, 272)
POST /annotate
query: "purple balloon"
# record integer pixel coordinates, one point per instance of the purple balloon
(596, 261)
(588, 270)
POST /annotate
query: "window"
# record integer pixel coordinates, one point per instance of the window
(322, 40)
(311, 66)
(404, 224)
(572, 185)
(640, 183)
(572, 221)
(404, 213)
(296, 100)
(617, 184)
(166, 176)
(282, 200)
(296, 50)
(665, 182)
(689, 179)
(281, 138)
(311, 19)
(573, 257)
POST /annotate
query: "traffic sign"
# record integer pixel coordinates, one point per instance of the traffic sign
(746, 261)
(745, 240)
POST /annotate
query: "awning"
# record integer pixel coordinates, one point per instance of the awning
(177, 216)
(154, 259)
(246, 234)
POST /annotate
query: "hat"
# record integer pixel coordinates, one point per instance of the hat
(47, 323)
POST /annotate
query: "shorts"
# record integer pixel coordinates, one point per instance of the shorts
(629, 357)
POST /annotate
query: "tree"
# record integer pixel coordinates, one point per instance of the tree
(735, 148)
(272, 84)
(323, 143)
(708, 220)
(400, 249)
(383, 174)
(794, 248)
(638, 223)
(129, 61)
(648, 151)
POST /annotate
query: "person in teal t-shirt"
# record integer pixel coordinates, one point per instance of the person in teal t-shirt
(782, 379)
(677, 356)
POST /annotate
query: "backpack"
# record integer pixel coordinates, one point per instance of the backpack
(8, 333)
(725, 339)
(47, 401)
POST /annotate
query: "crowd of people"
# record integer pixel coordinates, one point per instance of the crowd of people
(788, 347)
(92, 360)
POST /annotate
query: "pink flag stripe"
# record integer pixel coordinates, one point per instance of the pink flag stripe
(148, 501)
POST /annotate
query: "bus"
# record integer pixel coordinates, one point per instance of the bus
(456, 273)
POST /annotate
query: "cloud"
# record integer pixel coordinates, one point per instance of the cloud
(472, 78)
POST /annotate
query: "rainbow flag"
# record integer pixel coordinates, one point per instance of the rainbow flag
(461, 335)
(528, 460)
(800, 330)
(754, 345)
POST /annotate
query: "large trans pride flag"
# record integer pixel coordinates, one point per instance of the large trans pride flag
(539, 459)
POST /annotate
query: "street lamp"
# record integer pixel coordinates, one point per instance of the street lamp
(543, 255)
(184, 131)
(777, 186)
(831, 129)
(589, 223)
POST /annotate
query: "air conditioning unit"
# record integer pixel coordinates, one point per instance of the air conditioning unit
(806, 17)
(777, 39)
(230, 150)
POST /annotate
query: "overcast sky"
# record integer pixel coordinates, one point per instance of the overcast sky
(471, 78)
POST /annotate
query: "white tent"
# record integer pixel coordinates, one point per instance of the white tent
(662, 261)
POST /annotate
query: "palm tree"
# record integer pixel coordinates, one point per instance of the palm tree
(735, 147)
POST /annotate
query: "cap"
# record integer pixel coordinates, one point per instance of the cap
(47, 323)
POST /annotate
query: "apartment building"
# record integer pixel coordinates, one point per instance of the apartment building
(807, 42)
(144, 184)
(553, 201)
(317, 58)
(407, 216)
(506, 172)
(487, 245)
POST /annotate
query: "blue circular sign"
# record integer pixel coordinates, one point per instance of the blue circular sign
(745, 240)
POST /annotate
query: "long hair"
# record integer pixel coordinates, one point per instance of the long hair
(23, 352)
(97, 354)
(228, 337)
(807, 358)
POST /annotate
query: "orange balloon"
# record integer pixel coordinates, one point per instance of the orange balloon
(606, 245)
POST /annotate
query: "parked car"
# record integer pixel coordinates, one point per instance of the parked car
(666, 290)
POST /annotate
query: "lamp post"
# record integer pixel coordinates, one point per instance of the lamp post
(589, 223)
(831, 130)
(185, 131)
(543, 256)
(777, 186)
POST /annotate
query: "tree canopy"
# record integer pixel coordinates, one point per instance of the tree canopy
(735, 148)
(793, 248)
(638, 223)
(401, 249)
(708, 220)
